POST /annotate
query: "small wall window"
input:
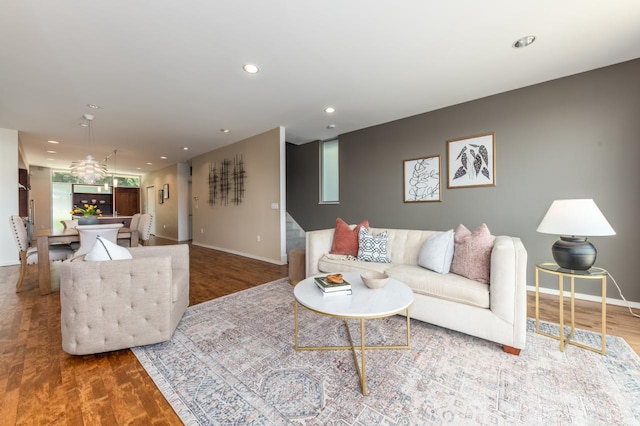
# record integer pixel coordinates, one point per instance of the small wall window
(329, 174)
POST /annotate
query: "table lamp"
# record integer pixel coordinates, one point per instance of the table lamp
(574, 220)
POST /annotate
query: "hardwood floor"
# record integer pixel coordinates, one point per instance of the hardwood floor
(40, 384)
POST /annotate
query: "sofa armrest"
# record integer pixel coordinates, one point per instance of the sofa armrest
(318, 243)
(508, 283)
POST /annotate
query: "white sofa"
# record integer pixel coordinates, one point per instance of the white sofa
(496, 311)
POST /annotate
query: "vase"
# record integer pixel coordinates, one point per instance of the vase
(88, 220)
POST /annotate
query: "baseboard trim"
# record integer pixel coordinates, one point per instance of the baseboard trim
(587, 297)
(239, 253)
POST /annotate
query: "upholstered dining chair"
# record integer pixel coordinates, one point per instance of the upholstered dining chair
(69, 224)
(135, 220)
(144, 228)
(29, 255)
(88, 234)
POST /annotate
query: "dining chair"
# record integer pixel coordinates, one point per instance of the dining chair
(70, 224)
(88, 234)
(144, 228)
(29, 255)
(135, 220)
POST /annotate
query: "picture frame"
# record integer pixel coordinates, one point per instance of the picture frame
(160, 196)
(165, 190)
(471, 161)
(421, 180)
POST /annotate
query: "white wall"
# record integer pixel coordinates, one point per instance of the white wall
(9, 185)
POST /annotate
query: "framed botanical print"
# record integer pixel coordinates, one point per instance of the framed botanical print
(472, 161)
(422, 179)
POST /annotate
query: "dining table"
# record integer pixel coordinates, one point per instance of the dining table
(46, 237)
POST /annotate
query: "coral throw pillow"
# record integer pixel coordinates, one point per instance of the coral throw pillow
(472, 254)
(345, 239)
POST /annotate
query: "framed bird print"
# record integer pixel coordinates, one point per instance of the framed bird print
(472, 161)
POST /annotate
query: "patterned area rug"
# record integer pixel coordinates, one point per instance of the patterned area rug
(231, 361)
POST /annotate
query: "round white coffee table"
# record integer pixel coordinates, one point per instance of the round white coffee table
(364, 303)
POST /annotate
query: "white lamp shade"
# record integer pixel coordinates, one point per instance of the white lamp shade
(575, 217)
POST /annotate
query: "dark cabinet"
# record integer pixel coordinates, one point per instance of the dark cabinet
(127, 201)
(23, 192)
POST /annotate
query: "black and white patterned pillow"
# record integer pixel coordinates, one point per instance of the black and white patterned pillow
(372, 248)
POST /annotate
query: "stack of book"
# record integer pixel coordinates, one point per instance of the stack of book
(333, 289)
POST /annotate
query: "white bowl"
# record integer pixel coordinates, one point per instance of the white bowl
(374, 280)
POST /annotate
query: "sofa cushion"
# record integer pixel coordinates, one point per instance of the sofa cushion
(450, 287)
(104, 249)
(345, 239)
(339, 263)
(472, 254)
(437, 252)
(373, 248)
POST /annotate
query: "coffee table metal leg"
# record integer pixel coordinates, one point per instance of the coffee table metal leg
(361, 367)
(363, 379)
(295, 325)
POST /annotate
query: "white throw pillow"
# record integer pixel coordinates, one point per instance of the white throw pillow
(437, 252)
(104, 249)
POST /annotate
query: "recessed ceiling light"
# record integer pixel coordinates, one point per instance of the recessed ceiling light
(50, 159)
(186, 148)
(84, 124)
(51, 152)
(331, 126)
(225, 130)
(94, 106)
(163, 157)
(54, 142)
(149, 164)
(250, 68)
(138, 168)
(329, 110)
(524, 42)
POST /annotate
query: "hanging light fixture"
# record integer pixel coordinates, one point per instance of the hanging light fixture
(115, 168)
(89, 169)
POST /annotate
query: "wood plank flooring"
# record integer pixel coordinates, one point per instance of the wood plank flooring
(40, 384)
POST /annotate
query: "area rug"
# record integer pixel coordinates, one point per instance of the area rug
(231, 361)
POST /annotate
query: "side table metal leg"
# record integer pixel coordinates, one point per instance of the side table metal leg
(573, 310)
(561, 298)
(604, 315)
(537, 300)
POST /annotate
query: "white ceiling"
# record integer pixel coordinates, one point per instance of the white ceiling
(168, 74)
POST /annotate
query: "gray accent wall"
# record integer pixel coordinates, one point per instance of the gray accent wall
(575, 137)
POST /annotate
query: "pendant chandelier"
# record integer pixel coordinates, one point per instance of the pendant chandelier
(89, 169)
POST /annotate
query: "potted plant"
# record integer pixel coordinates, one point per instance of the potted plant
(90, 214)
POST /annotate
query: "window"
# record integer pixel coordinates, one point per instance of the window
(329, 175)
(123, 180)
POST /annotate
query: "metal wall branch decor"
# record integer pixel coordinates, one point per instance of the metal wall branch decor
(472, 161)
(222, 179)
(422, 179)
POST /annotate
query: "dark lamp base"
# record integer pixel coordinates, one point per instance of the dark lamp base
(574, 253)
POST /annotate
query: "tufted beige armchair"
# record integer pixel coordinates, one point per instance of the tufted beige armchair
(119, 304)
